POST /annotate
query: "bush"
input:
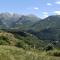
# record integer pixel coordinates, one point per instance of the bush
(48, 48)
(3, 40)
(54, 53)
(22, 44)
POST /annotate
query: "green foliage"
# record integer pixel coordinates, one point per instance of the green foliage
(7, 39)
(54, 53)
(14, 53)
(22, 44)
(48, 47)
(25, 40)
(4, 40)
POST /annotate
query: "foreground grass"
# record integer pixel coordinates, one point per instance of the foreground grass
(14, 53)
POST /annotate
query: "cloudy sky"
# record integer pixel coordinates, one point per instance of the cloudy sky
(41, 8)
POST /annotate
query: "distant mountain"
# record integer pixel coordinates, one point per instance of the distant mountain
(24, 22)
(49, 22)
(7, 19)
(47, 29)
(16, 21)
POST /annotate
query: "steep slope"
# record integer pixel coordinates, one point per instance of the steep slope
(24, 22)
(48, 29)
(7, 19)
(16, 21)
(50, 22)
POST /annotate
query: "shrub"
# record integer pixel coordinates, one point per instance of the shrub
(21, 44)
(54, 53)
(48, 48)
(3, 40)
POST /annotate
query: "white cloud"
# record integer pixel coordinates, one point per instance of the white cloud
(45, 14)
(57, 2)
(36, 8)
(57, 12)
(49, 4)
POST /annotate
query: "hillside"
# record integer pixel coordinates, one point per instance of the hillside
(14, 53)
(16, 21)
(49, 22)
(29, 37)
(47, 29)
(21, 39)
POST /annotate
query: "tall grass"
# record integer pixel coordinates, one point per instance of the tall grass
(14, 53)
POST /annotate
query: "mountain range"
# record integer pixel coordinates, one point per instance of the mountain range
(28, 37)
(47, 30)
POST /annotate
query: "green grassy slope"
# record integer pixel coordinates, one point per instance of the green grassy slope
(21, 39)
(14, 53)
